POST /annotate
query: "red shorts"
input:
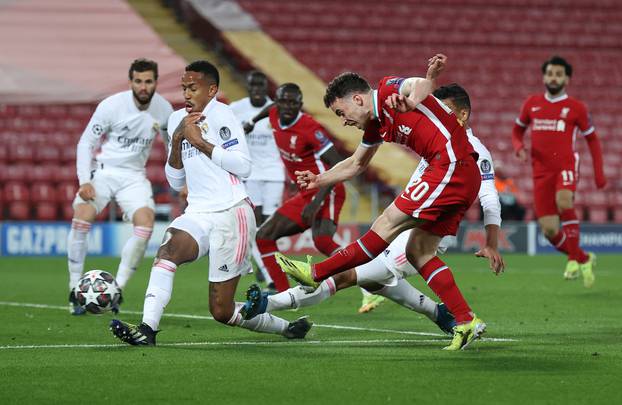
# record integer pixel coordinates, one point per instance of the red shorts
(442, 196)
(330, 209)
(545, 187)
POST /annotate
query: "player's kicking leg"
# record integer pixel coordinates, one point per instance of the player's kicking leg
(421, 253)
(374, 276)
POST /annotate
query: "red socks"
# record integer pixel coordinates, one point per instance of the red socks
(560, 242)
(570, 225)
(361, 251)
(439, 278)
(326, 244)
(268, 248)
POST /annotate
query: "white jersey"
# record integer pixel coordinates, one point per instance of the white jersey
(129, 134)
(267, 164)
(213, 184)
(394, 256)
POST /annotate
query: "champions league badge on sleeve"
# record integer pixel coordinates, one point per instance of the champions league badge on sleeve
(225, 133)
(485, 167)
(97, 129)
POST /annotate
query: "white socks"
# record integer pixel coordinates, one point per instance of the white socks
(408, 296)
(76, 249)
(132, 253)
(158, 292)
(266, 323)
(299, 296)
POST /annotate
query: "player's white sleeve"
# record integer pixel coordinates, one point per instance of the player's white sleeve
(233, 161)
(176, 177)
(488, 195)
(232, 154)
(97, 126)
(489, 199)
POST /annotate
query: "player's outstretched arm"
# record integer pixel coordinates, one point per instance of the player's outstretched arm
(263, 114)
(415, 89)
(342, 171)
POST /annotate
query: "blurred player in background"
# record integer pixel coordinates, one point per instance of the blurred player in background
(267, 180)
(127, 124)
(402, 110)
(385, 275)
(555, 120)
(303, 145)
(208, 153)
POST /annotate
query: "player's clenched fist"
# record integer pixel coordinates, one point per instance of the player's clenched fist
(306, 179)
(86, 192)
(436, 64)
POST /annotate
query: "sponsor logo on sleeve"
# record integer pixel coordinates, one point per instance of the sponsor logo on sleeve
(488, 176)
(319, 135)
(396, 82)
(230, 143)
(225, 133)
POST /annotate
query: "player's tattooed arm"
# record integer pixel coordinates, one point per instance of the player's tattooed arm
(248, 126)
(415, 89)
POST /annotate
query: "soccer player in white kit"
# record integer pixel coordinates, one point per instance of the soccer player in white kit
(130, 120)
(385, 275)
(208, 153)
(267, 180)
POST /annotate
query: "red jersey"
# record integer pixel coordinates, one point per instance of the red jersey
(555, 124)
(431, 130)
(300, 144)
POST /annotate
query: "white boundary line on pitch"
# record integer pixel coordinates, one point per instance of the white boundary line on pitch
(203, 317)
(243, 343)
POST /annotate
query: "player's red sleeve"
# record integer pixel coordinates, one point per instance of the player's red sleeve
(273, 116)
(317, 137)
(597, 159)
(520, 126)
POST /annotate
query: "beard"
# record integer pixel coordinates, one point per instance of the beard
(143, 101)
(554, 90)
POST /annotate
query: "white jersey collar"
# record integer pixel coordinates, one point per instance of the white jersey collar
(293, 122)
(555, 99)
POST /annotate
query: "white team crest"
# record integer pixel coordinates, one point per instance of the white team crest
(406, 130)
(564, 113)
(204, 127)
(292, 141)
(156, 127)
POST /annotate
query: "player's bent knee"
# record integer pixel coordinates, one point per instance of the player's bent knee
(221, 313)
(144, 217)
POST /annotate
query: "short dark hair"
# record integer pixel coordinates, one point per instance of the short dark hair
(208, 70)
(288, 87)
(256, 73)
(343, 85)
(559, 61)
(143, 65)
(456, 93)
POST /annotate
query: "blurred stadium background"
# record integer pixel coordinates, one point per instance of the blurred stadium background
(60, 57)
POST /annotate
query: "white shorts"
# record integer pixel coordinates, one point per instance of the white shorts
(130, 189)
(225, 235)
(265, 194)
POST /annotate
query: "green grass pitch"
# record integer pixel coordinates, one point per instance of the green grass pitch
(549, 341)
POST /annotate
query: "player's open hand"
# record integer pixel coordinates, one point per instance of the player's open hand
(400, 103)
(497, 265)
(436, 64)
(87, 192)
(306, 179)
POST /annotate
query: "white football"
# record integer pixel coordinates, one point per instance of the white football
(97, 291)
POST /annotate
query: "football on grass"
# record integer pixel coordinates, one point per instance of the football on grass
(97, 291)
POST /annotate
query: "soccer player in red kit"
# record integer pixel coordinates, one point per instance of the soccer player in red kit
(404, 111)
(303, 145)
(555, 120)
